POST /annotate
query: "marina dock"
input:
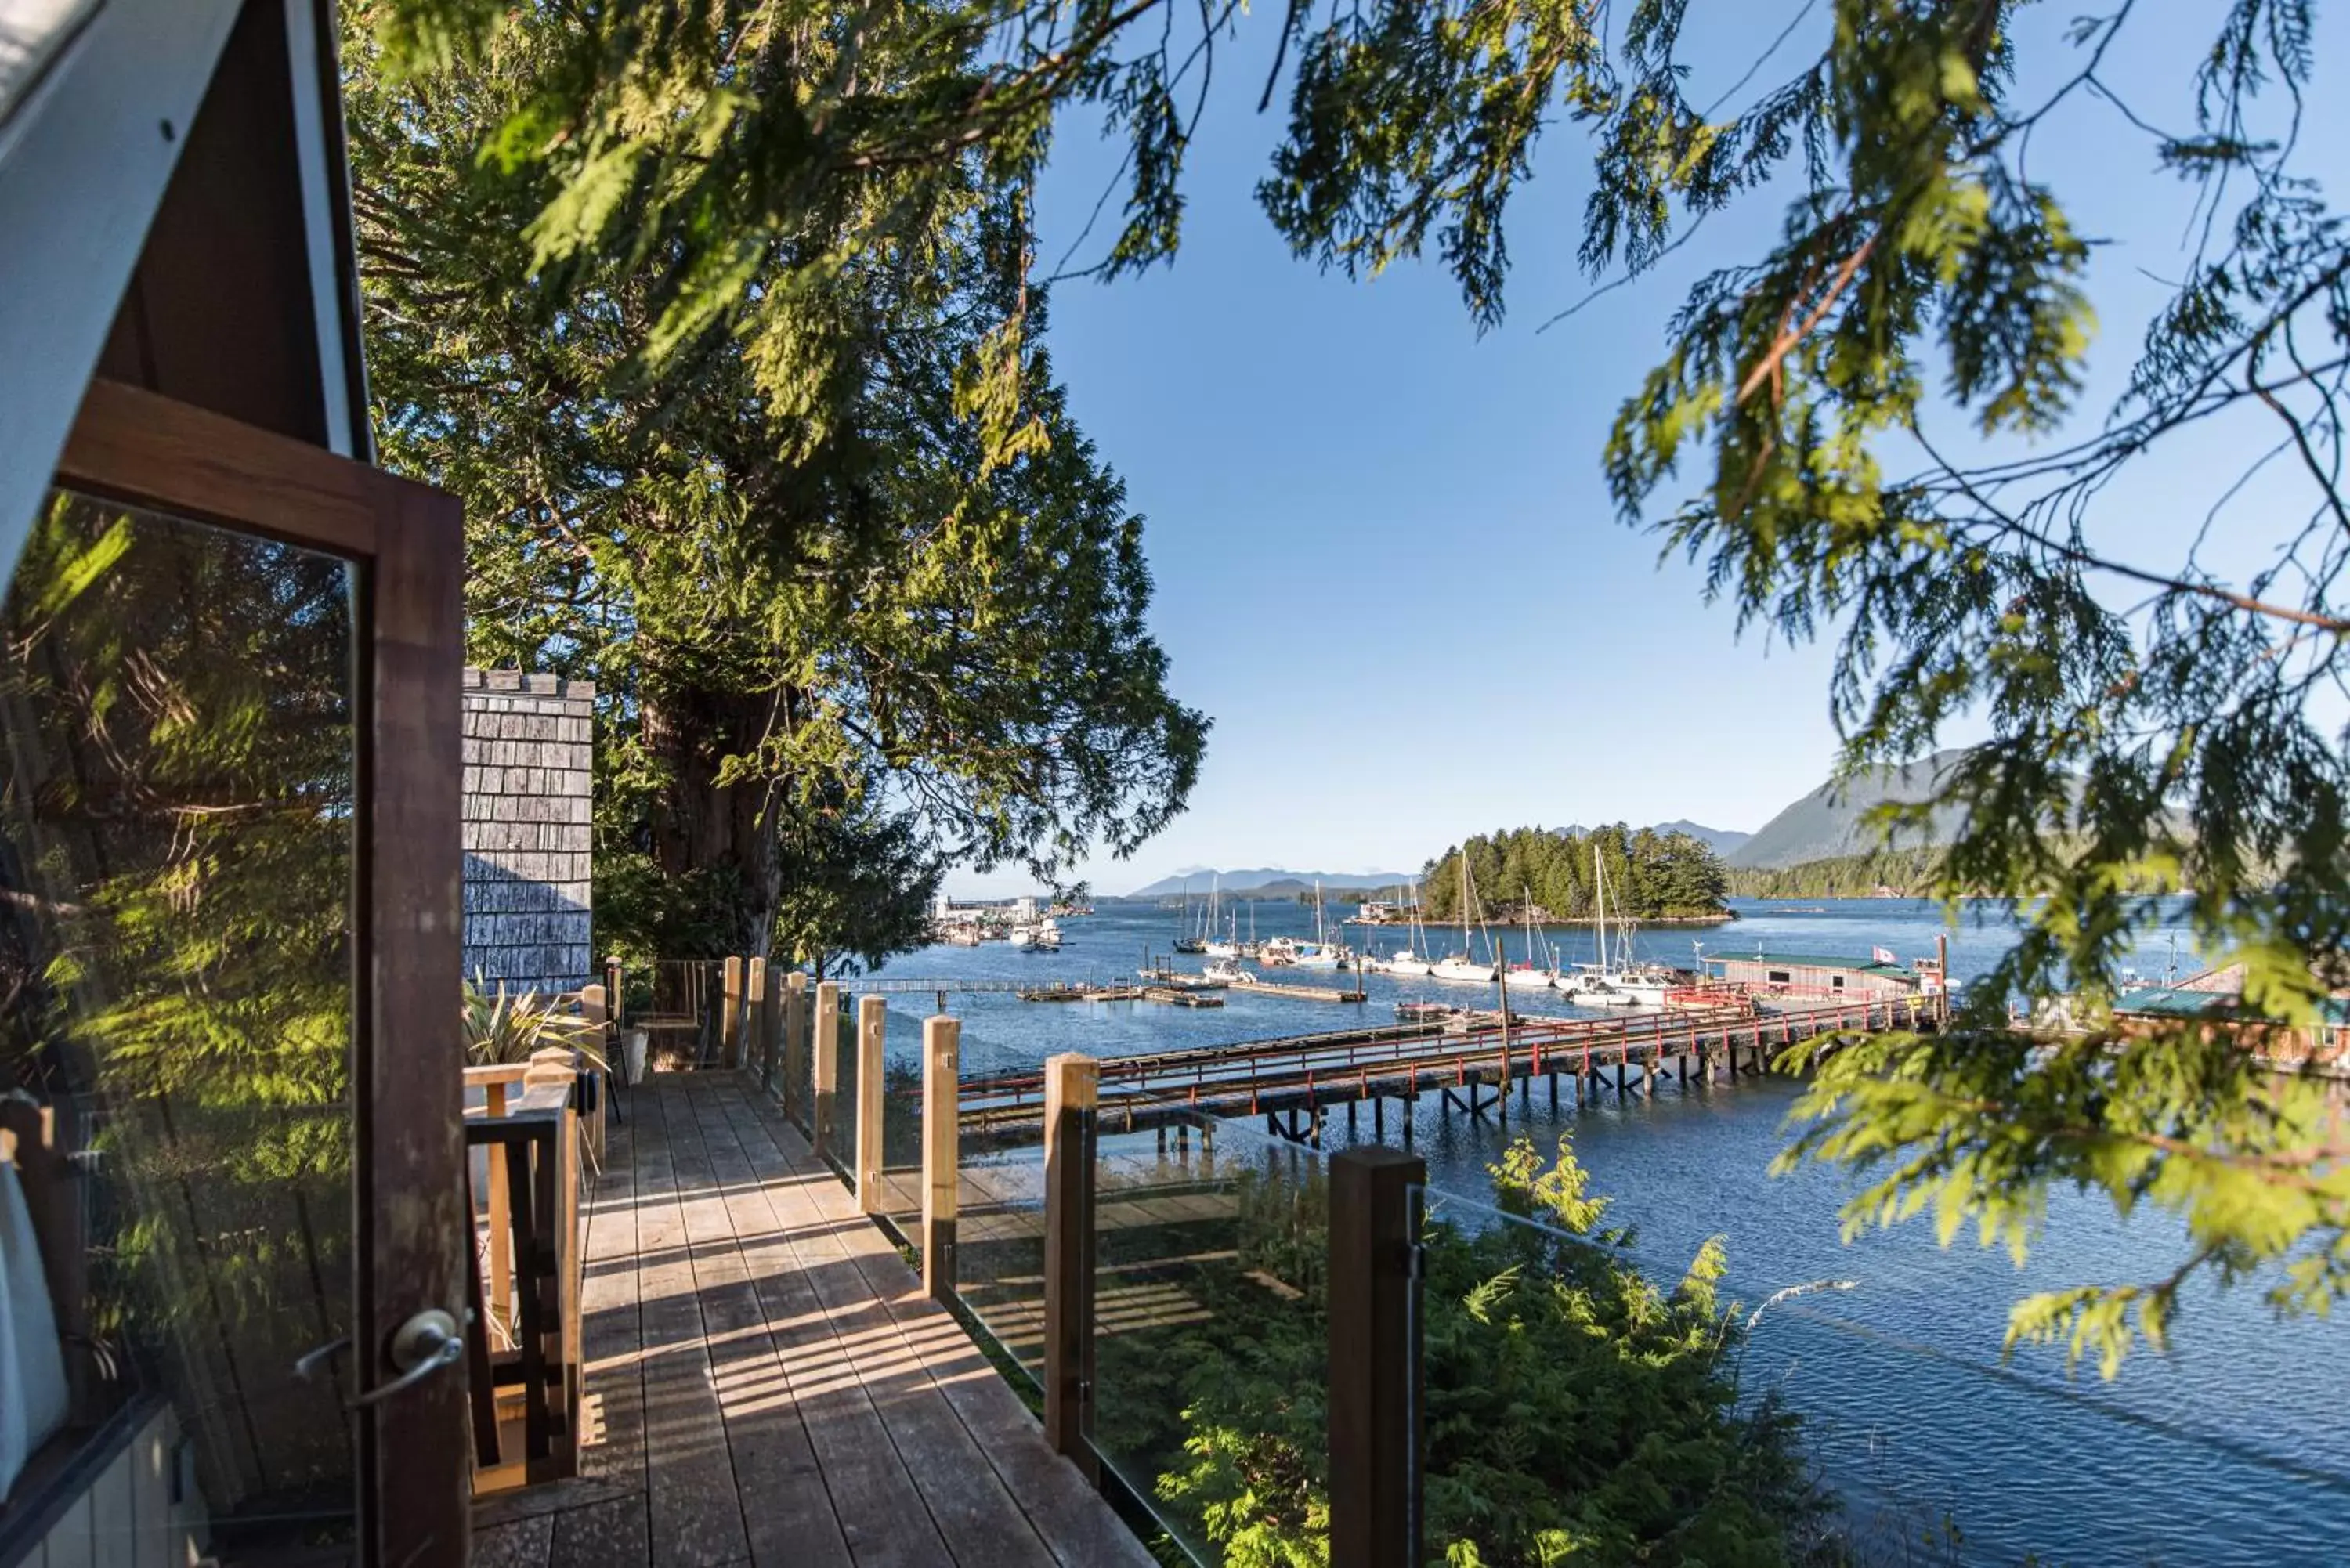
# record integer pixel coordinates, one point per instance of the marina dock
(1302, 992)
(1293, 1081)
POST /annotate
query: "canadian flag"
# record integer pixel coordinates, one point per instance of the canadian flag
(1881, 955)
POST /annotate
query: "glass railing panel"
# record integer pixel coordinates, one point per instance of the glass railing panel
(795, 1080)
(840, 1146)
(1000, 1250)
(1554, 1371)
(901, 1118)
(1210, 1329)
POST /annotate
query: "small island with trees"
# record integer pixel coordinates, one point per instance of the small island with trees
(1668, 878)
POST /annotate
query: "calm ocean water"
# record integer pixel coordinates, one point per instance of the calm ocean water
(2233, 1449)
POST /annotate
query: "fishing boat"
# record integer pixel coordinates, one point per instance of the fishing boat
(1225, 972)
(1043, 937)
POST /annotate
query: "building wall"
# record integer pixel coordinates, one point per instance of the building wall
(1809, 978)
(529, 771)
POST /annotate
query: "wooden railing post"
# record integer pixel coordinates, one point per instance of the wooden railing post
(502, 1220)
(1071, 1086)
(872, 1028)
(1375, 1357)
(730, 1014)
(795, 1045)
(823, 1040)
(756, 1018)
(942, 1152)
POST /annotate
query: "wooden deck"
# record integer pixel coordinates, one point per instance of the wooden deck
(771, 1386)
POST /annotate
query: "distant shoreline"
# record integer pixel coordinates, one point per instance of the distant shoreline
(1723, 918)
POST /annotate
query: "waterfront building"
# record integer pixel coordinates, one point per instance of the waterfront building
(1817, 975)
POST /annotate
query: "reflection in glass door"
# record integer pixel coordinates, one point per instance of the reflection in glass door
(179, 763)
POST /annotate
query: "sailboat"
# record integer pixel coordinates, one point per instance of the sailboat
(1613, 980)
(1321, 952)
(1412, 960)
(1460, 965)
(1227, 946)
(1185, 940)
(1530, 975)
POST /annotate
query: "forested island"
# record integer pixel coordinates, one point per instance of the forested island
(1892, 873)
(1651, 876)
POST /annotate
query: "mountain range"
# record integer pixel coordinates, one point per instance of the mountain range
(1266, 881)
(1831, 820)
(1722, 841)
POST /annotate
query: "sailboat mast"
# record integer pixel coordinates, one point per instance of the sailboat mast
(1599, 903)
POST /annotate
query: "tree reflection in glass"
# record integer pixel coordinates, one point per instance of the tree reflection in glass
(177, 864)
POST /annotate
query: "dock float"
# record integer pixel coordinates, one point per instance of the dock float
(1302, 993)
(1179, 996)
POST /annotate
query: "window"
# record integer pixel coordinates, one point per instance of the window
(1835, 982)
(1779, 977)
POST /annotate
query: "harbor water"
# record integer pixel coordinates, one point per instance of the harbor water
(2231, 1449)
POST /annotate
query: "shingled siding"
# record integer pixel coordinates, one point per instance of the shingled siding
(529, 760)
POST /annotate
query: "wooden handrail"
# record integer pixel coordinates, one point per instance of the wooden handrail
(526, 1392)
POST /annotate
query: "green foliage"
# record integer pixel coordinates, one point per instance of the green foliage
(1574, 1409)
(501, 1028)
(1916, 873)
(1651, 876)
(177, 810)
(793, 486)
(1869, 428)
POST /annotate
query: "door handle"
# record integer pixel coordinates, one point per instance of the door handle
(422, 1347)
(307, 1367)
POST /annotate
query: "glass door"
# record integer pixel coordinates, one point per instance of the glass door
(226, 966)
(179, 786)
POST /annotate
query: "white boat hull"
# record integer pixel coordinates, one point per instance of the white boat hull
(1527, 980)
(1450, 969)
(1401, 964)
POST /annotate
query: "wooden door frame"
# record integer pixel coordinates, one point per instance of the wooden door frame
(407, 541)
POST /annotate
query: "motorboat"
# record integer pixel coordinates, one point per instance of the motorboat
(1589, 986)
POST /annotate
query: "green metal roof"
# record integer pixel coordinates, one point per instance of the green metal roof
(2169, 1002)
(1813, 960)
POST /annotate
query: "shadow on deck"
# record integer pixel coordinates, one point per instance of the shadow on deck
(767, 1384)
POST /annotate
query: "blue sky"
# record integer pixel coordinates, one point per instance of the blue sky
(1386, 562)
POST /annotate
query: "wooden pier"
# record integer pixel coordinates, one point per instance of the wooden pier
(1304, 1076)
(1302, 993)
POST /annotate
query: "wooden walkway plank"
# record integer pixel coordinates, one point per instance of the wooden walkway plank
(772, 1387)
(788, 1512)
(966, 1524)
(874, 1498)
(695, 1514)
(1075, 1522)
(614, 1533)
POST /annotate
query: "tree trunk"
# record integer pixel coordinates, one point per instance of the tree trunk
(725, 831)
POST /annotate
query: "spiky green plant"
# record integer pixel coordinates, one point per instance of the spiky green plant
(501, 1029)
